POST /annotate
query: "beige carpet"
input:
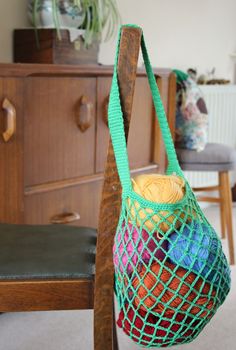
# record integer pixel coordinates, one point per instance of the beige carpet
(73, 330)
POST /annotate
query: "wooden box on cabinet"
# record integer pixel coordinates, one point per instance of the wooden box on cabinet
(51, 168)
(45, 47)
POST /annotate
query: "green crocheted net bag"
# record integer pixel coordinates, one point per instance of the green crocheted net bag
(171, 274)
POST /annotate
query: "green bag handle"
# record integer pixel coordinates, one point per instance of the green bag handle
(116, 122)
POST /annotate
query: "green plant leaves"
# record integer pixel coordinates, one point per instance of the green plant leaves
(99, 16)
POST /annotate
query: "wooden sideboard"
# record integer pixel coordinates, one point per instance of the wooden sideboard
(51, 168)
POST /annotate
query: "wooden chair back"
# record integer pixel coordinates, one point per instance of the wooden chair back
(111, 198)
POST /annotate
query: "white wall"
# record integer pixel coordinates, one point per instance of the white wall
(12, 15)
(179, 33)
(184, 33)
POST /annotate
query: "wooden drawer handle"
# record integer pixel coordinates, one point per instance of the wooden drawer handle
(85, 113)
(10, 110)
(105, 110)
(65, 218)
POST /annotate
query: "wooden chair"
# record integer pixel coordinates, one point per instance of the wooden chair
(221, 159)
(52, 267)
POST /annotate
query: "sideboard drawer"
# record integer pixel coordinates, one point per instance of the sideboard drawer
(62, 206)
(59, 139)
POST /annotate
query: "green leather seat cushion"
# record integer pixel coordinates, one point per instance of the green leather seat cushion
(52, 251)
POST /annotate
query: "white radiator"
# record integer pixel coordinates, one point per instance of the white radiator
(221, 104)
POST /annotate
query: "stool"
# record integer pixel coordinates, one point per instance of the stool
(222, 159)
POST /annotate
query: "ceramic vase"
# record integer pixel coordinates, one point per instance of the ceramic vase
(69, 15)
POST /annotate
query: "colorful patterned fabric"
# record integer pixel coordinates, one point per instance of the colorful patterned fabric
(191, 114)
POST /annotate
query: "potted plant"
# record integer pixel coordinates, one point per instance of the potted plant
(92, 17)
(87, 22)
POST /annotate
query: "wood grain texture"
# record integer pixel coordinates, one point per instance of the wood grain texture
(140, 145)
(55, 147)
(60, 70)
(167, 88)
(102, 134)
(210, 188)
(110, 203)
(228, 213)
(171, 108)
(171, 104)
(81, 180)
(208, 199)
(51, 49)
(33, 295)
(158, 151)
(11, 155)
(83, 199)
(222, 207)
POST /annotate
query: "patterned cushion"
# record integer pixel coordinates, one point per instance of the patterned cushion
(191, 114)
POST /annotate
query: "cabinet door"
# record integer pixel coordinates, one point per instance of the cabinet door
(140, 144)
(102, 136)
(59, 128)
(11, 150)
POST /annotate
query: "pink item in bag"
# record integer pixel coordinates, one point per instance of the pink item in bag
(134, 243)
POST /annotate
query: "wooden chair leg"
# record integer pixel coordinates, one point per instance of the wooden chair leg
(228, 210)
(230, 220)
(222, 206)
(115, 339)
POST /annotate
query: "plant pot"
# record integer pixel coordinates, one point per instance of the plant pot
(69, 15)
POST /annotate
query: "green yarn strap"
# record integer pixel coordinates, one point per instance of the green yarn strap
(116, 122)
